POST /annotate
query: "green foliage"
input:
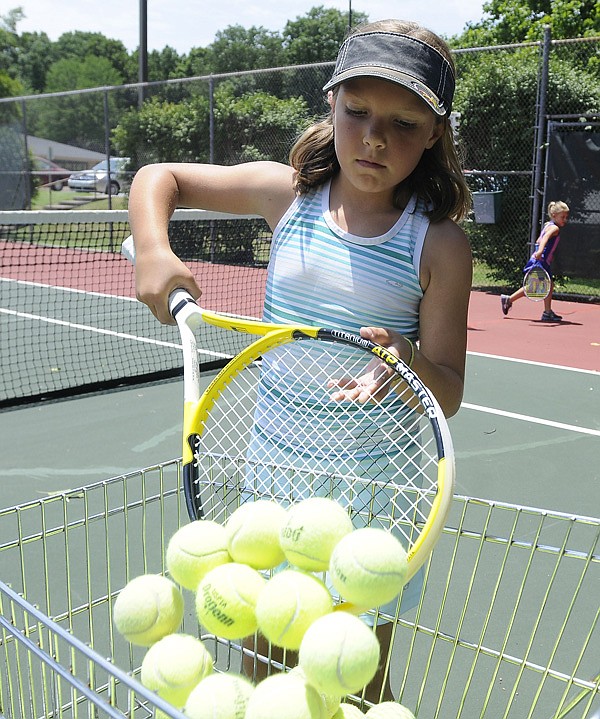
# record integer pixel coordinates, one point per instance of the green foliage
(496, 97)
(164, 132)
(76, 119)
(317, 36)
(9, 88)
(512, 21)
(256, 125)
(237, 48)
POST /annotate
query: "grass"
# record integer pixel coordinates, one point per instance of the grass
(45, 197)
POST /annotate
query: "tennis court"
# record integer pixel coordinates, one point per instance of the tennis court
(528, 434)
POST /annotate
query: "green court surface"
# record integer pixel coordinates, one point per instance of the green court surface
(526, 434)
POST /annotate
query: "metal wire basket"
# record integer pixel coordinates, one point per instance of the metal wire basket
(506, 625)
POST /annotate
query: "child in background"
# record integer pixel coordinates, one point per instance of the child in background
(545, 247)
(364, 217)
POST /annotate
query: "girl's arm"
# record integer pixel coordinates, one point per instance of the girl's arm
(446, 273)
(549, 231)
(261, 188)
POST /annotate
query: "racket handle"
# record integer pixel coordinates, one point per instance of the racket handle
(180, 300)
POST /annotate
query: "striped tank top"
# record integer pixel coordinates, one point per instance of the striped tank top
(320, 275)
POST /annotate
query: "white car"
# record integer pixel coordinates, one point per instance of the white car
(99, 179)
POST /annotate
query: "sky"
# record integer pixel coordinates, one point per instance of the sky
(184, 24)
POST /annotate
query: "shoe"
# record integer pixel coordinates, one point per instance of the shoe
(551, 317)
(506, 303)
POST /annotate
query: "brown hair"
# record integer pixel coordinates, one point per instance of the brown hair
(438, 178)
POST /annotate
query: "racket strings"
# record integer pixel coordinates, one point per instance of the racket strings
(274, 431)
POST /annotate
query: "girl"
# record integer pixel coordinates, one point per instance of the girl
(545, 247)
(363, 218)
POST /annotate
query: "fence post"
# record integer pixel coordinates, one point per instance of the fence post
(107, 146)
(27, 162)
(540, 139)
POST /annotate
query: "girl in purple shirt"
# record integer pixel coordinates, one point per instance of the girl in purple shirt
(545, 247)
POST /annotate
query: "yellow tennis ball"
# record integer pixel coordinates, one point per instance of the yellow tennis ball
(368, 567)
(174, 666)
(226, 600)
(289, 603)
(283, 696)
(339, 654)
(312, 529)
(332, 702)
(224, 696)
(148, 608)
(348, 711)
(194, 550)
(389, 710)
(253, 534)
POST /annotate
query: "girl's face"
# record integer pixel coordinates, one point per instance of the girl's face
(381, 131)
(561, 218)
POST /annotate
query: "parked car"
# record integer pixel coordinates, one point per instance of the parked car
(50, 174)
(99, 179)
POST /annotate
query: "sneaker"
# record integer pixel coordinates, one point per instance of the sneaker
(505, 302)
(551, 317)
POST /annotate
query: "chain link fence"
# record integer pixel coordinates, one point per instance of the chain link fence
(511, 104)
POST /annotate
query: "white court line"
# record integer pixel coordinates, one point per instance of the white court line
(44, 286)
(466, 405)
(98, 330)
(535, 363)
(533, 420)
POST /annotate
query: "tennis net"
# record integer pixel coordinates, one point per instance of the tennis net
(70, 321)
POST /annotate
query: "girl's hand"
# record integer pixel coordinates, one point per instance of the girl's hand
(157, 274)
(373, 384)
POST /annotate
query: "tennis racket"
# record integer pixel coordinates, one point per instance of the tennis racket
(306, 411)
(537, 283)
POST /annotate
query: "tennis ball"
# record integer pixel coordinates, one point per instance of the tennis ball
(148, 608)
(253, 534)
(195, 549)
(339, 654)
(174, 666)
(332, 702)
(368, 567)
(312, 529)
(226, 600)
(221, 696)
(389, 710)
(283, 696)
(289, 604)
(348, 711)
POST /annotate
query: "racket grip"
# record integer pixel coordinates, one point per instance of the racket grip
(128, 249)
(178, 299)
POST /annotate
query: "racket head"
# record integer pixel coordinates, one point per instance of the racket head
(268, 427)
(537, 283)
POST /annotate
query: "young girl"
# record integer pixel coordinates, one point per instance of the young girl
(545, 247)
(364, 217)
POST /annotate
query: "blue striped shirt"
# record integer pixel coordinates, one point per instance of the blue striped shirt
(321, 275)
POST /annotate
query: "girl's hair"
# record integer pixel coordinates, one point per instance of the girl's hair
(438, 178)
(557, 206)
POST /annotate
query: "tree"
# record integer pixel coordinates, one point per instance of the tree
(81, 45)
(237, 48)
(256, 126)
(76, 119)
(511, 21)
(164, 132)
(498, 135)
(317, 36)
